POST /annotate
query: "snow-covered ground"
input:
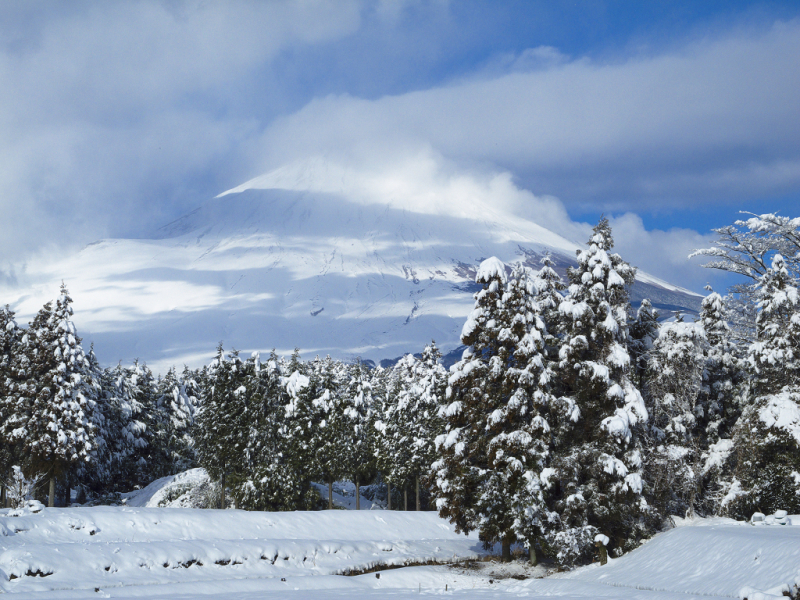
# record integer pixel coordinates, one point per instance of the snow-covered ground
(127, 552)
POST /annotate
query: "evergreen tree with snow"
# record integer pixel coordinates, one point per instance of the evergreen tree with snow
(721, 398)
(272, 481)
(53, 422)
(223, 427)
(177, 419)
(673, 390)
(10, 336)
(496, 438)
(767, 436)
(333, 425)
(775, 355)
(548, 290)
(641, 333)
(597, 481)
(148, 461)
(357, 441)
(410, 421)
(301, 424)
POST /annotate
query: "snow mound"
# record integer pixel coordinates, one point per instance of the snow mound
(173, 491)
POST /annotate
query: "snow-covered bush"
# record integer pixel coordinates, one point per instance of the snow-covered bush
(20, 488)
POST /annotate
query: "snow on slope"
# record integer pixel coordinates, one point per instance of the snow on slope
(84, 548)
(157, 553)
(369, 270)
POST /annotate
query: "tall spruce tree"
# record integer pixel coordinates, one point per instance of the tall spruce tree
(496, 435)
(222, 426)
(673, 394)
(723, 385)
(767, 436)
(597, 480)
(10, 335)
(176, 420)
(53, 422)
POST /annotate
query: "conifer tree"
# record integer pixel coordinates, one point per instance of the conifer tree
(597, 483)
(53, 421)
(332, 424)
(410, 421)
(177, 419)
(10, 335)
(723, 380)
(147, 460)
(300, 427)
(222, 428)
(272, 480)
(767, 436)
(641, 333)
(496, 435)
(674, 383)
(357, 441)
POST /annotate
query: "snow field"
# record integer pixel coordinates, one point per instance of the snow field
(706, 557)
(130, 552)
(110, 547)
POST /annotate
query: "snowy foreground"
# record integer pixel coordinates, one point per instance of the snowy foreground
(136, 552)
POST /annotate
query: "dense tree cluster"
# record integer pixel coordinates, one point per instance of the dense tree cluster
(571, 417)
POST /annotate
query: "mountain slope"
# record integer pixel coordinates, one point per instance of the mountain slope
(264, 268)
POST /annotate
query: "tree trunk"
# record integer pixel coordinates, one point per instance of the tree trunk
(358, 496)
(505, 554)
(330, 495)
(3, 496)
(67, 499)
(222, 493)
(51, 497)
(405, 498)
(418, 508)
(533, 559)
(388, 495)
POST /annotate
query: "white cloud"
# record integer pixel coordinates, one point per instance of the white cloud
(630, 134)
(116, 115)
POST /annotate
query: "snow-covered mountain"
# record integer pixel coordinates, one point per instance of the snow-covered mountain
(261, 267)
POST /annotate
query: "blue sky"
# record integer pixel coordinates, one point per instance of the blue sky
(670, 116)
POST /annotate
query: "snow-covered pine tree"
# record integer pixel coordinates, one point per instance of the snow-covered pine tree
(326, 384)
(147, 461)
(767, 436)
(430, 383)
(548, 294)
(392, 445)
(300, 426)
(496, 437)
(410, 421)
(125, 433)
(53, 423)
(10, 335)
(775, 355)
(641, 333)
(177, 419)
(597, 482)
(222, 426)
(357, 442)
(673, 385)
(723, 383)
(272, 481)
(85, 473)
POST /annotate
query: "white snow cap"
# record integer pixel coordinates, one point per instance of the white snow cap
(489, 269)
(603, 539)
